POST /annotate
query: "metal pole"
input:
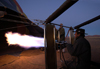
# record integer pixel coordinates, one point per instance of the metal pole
(87, 22)
(60, 10)
(59, 25)
(50, 48)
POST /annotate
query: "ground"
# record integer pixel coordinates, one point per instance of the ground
(15, 58)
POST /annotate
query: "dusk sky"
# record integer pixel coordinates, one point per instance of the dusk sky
(78, 13)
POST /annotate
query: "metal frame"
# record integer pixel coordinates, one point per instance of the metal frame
(87, 22)
(60, 10)
(50, 48)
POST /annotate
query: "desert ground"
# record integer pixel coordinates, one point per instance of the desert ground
(95, 50)
(19, 58)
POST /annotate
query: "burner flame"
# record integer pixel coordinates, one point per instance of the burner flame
(25, 41)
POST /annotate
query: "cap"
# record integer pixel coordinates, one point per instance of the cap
(82, 31)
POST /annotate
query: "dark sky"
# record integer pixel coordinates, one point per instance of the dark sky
(80, 12)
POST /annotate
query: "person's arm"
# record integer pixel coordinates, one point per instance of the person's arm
(75, 49)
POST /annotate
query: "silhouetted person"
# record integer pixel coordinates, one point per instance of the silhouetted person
(81, 50)
(62, 35)
(62, 32)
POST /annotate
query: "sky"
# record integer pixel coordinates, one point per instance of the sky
(78, 13)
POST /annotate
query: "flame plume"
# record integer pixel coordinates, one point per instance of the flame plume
(24, 41)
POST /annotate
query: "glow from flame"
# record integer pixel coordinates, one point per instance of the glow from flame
(24, 41)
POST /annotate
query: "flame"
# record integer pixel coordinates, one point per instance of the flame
(24, 41)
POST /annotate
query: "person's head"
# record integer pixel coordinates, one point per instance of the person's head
(61, 25)
(80, 32)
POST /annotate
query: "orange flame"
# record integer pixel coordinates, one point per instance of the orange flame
(24, 41)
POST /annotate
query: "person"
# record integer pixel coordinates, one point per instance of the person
(62, 35)
(62, 32)
(81, 50)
